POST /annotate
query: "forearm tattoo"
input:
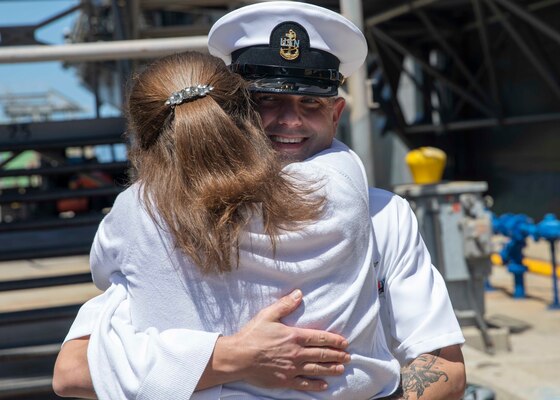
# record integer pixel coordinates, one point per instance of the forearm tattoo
(420, 374)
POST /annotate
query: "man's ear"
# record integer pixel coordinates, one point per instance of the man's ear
(338, 107)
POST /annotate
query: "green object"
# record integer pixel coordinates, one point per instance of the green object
(26, 160)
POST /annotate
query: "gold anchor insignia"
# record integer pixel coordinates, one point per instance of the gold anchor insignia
(289, 46)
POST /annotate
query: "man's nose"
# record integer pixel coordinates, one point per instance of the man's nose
(289, 114)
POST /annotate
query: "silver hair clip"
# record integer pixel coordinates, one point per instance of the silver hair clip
(188, 93)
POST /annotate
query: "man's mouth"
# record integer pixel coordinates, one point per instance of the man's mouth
(288, 140)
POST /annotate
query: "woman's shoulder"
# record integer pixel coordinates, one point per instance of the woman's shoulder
(338, 157)
(127, 214)
(337, 167)
(129, 202)
(129, 195)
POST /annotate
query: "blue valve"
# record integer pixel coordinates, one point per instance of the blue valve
(517, 227)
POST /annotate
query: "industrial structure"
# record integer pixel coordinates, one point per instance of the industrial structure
(476, 78)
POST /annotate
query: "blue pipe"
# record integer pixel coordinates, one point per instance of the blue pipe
(518, 227)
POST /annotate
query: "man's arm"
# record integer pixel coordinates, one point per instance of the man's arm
(439, 375)
(264, 353)
(71, 377)
(415, 309)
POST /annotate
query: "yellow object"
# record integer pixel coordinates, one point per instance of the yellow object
(535, 266)
(426, 164)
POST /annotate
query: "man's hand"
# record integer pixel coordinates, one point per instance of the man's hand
(269, 354)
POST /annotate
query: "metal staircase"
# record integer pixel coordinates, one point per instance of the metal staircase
(53, 211)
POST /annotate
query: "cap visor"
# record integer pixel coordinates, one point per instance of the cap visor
(307, 87)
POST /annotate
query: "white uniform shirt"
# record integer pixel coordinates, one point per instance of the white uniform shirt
(341, 299)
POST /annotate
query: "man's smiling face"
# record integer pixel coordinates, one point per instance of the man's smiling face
(299, 126)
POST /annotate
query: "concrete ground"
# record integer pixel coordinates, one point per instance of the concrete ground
(530, 368)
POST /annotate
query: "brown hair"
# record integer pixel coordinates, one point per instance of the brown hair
(206, 165)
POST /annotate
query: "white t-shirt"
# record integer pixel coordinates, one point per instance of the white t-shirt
(155, 353)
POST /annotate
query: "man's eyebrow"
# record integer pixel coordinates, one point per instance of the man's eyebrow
(325, 100)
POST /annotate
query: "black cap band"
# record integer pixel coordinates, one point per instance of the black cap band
(252, 72)
(302, 81)
(288, 64)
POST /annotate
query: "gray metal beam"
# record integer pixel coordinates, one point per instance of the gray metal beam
(39, 196)
(400, 66)
(102, 51)
(61, 134)
(377, 46)
(449, 50)
(483, 123)
(134, 8)
(544, 72)
(498, 42)
(12, 157)
(531, 7)
(174, 31)
(432, 71)
(461, 101)
(531, 19)
(65, 169)
(58, 16)
(486, 51)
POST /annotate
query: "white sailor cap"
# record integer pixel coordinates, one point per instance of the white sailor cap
(289, 47)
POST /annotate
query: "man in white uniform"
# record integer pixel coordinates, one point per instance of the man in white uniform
(297, 56)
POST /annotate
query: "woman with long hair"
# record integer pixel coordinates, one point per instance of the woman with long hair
(214, 228)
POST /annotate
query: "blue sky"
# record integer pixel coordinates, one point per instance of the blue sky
(40, 77)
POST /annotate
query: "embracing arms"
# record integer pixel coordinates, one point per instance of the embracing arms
(433, 376)
(281, 356)
(264, 353)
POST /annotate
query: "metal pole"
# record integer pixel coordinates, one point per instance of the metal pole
(134, 7)
(102, 51)
(555, 303)
(362, 137)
